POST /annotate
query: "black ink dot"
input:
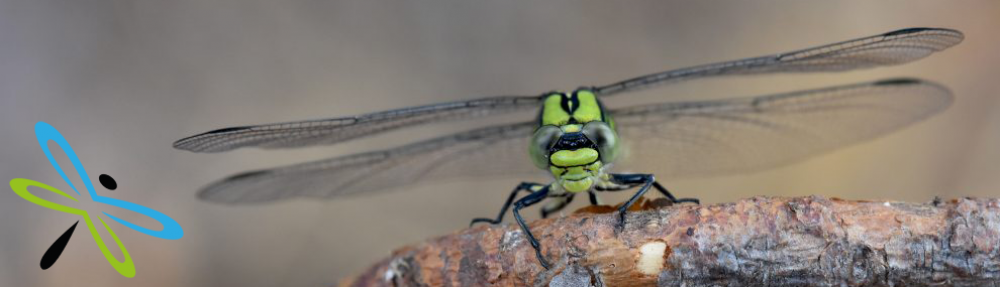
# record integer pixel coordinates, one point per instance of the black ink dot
(107, 181)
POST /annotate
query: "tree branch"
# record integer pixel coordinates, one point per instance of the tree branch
(810, 241)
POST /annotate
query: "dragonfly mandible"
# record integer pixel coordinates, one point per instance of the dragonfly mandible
(576, 139)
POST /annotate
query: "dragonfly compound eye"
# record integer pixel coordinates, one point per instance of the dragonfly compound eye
(605, 137)
(545, 137)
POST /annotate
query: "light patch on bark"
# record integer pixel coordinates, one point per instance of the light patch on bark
(651, 257)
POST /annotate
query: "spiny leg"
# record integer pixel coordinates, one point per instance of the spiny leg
(525, 186)
(526, 201)
(646, 180)
(593, 198)
(559, 205)
(665, 192)
(631, 180)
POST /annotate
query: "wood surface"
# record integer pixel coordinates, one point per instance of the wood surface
(761, 241)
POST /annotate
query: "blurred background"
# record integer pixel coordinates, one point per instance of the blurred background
(122, 80)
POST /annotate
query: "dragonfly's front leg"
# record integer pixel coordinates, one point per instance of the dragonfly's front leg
(526, 201)
(647, 181)
(525, 186)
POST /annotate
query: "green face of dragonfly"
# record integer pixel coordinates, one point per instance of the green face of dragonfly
(574, 140)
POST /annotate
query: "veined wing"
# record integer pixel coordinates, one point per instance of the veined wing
(738, 135)
(887, 49)
(685, 139)
(892, 48)
(330, 131)
(479, 153)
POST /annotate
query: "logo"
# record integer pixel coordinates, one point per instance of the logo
(45, 133)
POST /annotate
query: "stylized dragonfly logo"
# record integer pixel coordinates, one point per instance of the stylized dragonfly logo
(45, 133)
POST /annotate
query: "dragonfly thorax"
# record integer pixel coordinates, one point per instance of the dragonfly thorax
(574, 140)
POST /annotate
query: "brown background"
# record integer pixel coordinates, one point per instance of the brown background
(124, 79)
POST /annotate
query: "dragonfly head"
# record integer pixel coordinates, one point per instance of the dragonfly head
(574, 140)
(575, 154)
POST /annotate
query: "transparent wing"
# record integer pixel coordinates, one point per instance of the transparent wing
(486, 152)
(891, 48)
(887, 49)
(679, 139)
(330, 131)
(739, 135)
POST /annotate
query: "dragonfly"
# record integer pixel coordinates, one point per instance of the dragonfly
(577, 140)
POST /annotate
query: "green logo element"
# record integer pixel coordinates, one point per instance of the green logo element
(125, 268)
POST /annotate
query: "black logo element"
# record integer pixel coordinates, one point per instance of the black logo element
(57, 247)
(54, 251)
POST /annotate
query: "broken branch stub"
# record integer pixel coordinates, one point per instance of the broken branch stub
(806, 241)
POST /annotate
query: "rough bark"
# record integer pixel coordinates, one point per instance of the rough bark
(807, 241)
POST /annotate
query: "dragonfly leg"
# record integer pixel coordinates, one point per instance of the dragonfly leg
(559, 205)
(593, 198)
(647, 181)
(526, 201)
(525, 186)
(665, 192)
